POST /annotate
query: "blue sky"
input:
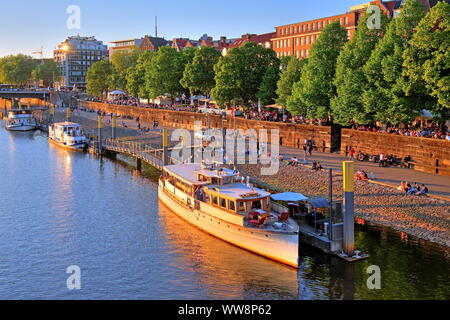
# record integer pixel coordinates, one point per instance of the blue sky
(28, 25)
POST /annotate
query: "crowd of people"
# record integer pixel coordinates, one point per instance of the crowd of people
(417, 189)
(432, 131)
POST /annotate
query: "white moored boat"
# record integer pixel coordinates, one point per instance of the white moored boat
(67, 135)
(218, 201)
(21, 120)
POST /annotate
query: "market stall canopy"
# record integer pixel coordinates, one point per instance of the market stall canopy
(117, 92)
(289, 197)
(319, 203)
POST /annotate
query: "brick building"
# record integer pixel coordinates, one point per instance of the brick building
(263, 40)
(145, 43)
(296, 39)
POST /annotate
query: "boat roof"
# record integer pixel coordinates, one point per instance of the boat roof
(239, 191)
(67, 124)
(189, 172)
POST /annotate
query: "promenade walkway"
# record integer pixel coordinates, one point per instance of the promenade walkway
(438, 185)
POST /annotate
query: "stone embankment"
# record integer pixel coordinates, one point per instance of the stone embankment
(421, 217)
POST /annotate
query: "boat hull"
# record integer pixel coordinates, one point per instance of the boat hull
(281, 247)
(76, 147)
(21, 128)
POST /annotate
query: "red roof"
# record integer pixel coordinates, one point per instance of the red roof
(262, 38)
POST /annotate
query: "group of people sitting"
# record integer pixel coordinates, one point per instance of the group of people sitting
(432, 131)
(361, 175)
(387, 161)
(413, 190)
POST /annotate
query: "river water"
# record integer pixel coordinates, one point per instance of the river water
(59, 208)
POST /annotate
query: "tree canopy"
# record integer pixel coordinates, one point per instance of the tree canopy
(347, 106)
(136, 75)
(48, 72)
(198, 76)
(427, 60)
(289, 75)
(165, 71)
(16, 69)
(384, 98)
(99, 78)
(124, 62)
(316, 89)
(239, 74)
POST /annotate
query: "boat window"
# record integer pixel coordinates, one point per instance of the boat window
(215, 200)
(232, 205)
(241, 206)
(215, 181)
(256, 205)
(207, 198)
(223, 202)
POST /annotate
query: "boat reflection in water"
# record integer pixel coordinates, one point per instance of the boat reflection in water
(223, 270)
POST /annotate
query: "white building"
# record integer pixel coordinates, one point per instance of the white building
(75, 55)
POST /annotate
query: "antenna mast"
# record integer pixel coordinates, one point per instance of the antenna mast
(156, 26)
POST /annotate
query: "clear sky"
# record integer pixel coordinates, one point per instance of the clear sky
(28, 25)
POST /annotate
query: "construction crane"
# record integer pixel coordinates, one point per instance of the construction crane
(40, 53)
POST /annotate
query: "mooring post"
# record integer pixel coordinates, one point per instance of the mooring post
(330, 195)
(68, 114)
(114, 125)
(349, 205)
(139, 165)
(100, 120)
(52, 113)
(165, 147)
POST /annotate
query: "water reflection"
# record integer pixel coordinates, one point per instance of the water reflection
(62, 208)
(227, 272)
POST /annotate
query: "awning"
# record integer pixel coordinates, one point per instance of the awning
(319, 203)
(117, 92)
(289, 197)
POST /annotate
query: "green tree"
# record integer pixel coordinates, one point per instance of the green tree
(123, 62)
(164, 73)
(239, 74)
(427, 60)
(347, 106)
(316, 88)
(48, 72)
(290, 75)
(99, 78)
(268, 87)
(16, 69)
(384, 98)
(198, 76)
(136, 75)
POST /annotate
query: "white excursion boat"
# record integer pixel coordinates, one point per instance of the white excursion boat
(67, 135)
(219, 202)
(21, 120)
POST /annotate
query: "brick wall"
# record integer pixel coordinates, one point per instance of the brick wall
(291, 135)
(430, 155)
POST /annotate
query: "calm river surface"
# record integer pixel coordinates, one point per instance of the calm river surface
(60, 208)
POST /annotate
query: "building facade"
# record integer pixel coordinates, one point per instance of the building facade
(145, 43)
(296, 39)
(75, 55)
(264, 40)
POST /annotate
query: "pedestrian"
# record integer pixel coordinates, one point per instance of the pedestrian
(352, 154)
(310, 147)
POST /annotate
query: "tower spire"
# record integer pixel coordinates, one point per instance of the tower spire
(156, 26)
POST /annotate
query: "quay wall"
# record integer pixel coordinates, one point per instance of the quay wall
(429, 155)
(327, 139)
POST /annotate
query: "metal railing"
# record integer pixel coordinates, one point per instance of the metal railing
(146, 153)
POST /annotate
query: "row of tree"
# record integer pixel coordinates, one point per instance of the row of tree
(389, 74)
(20, 69)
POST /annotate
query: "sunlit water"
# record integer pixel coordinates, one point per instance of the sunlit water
(59, 208)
